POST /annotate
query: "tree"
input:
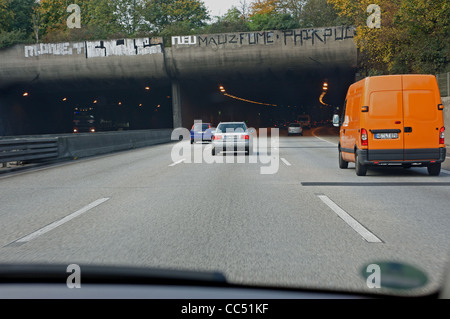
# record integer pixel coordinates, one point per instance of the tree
(425, 46)
(232, 21)
(6, 15)
(267, 21)
(53, 14)
(377, 46)
(408, 41)
(262, 7)
(190, 14)
(319, 13)
(15, 22)
(100, 17)
(23, 10)
(128, 15)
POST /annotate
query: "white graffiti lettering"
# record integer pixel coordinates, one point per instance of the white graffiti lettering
(94, 49)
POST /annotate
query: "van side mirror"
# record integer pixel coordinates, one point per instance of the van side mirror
(336, 120)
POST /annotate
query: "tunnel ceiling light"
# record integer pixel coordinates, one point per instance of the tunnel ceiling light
(321, 99)
(222, 89)
(248, 101)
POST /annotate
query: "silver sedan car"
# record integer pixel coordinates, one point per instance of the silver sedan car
(232, 136)
(295, 129)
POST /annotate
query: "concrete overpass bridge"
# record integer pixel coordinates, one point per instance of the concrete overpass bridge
(283, 68)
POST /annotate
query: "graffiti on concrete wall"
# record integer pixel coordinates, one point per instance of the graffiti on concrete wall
(95, 49)
(298, 37)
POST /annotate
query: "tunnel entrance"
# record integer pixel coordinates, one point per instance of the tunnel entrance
(263, 99)
(260, 100)
(114, 105)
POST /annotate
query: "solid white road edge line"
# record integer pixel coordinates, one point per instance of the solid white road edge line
(61, 221)
(360, 229)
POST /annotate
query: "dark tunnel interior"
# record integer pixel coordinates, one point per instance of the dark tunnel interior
(139, 104)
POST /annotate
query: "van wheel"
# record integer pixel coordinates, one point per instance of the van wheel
(213, 151)
(361, 169)
(342, 164)
(434, 169)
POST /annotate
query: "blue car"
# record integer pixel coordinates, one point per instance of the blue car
(201, 132)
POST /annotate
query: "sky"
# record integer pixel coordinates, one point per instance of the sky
(220, 7)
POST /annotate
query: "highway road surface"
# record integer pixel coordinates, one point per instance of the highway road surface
(305, 224)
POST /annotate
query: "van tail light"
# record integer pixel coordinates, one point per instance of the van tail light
(364, 137)
(217, 137)
(245, 137)
(441, 135)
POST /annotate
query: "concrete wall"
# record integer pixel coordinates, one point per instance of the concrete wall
(262, 52)
(265, 52)
(83, 145)
(112, 59)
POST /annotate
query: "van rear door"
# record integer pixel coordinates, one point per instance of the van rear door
(422, 119)
(384, 119)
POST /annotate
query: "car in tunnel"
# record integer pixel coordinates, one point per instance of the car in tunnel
(295, 129)
(201, 132)
(232, 136)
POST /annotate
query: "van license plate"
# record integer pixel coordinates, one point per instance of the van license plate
(386, 136)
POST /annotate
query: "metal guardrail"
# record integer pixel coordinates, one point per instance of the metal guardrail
(28, 149)
(443, 80)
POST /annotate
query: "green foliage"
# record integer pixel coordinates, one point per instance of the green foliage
(6, 15)
(10, 38)
(413, 37)
(267, 21)
(162, 14)
(319, 13)
(232, 21)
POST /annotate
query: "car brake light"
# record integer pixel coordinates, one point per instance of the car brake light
(245, 137)
(441, 135)
(364, 139)
(217, 137)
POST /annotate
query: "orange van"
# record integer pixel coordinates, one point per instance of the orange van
(392, 120)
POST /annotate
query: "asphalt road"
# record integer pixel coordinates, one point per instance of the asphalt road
(305, 224)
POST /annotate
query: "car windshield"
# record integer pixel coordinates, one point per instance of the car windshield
(201, 127)
(231, 128)
(114, 152)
